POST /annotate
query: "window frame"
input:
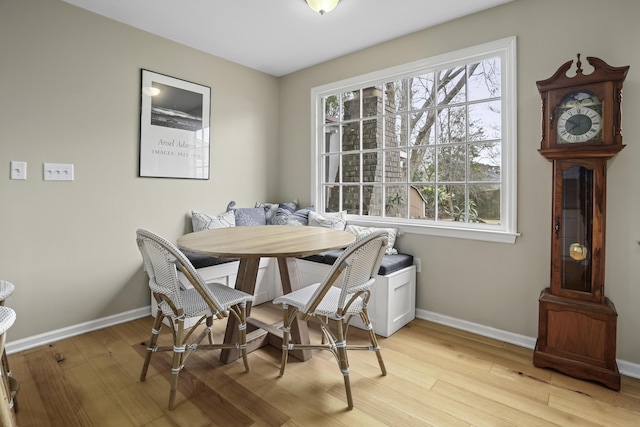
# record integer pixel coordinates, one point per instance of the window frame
(506, 232)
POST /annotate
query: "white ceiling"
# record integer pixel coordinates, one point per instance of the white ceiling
(282, 36)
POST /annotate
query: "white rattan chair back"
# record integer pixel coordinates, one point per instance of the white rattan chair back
(7, 318)
(6, 289)
(162, 260)
(354, 271)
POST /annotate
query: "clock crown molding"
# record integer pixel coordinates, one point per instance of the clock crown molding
(601, 72)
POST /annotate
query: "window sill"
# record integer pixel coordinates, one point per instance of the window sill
(470, 233)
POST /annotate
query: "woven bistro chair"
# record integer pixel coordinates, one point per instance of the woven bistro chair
(162, 261)
(7, 417)
(344, 293)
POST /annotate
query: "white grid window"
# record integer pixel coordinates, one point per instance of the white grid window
(429, 147)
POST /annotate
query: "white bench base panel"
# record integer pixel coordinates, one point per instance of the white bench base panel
(393, 297)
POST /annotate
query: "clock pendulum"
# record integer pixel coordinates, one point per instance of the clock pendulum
(577, 250)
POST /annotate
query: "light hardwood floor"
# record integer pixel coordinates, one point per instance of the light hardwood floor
(436, 376)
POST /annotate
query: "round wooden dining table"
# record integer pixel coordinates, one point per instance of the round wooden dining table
(249, 244)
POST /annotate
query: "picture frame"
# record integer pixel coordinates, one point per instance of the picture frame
(174, 127)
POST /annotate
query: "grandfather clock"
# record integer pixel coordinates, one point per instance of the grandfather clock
(581, 130)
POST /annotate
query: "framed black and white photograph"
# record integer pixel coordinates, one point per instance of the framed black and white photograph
(174, 127)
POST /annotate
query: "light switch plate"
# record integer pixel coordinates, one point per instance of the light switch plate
(58, 172)
(18, 170)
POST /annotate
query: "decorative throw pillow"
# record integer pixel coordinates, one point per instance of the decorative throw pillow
(247, 216)
(202, 221)
(334, 220)
(292, 205)
(300, 217)
(272, 208)
(284, 216)
(359, 231)
(280, 217)
(269, 210)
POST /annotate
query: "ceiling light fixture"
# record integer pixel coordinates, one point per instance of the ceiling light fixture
(322, 6)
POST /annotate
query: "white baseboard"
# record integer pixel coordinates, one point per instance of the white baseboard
(626, 368)
(71, 331)
(629, 369)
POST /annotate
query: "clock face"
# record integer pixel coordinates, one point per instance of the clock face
(580, 118)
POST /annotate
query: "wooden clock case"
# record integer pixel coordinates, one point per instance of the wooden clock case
(577, 323)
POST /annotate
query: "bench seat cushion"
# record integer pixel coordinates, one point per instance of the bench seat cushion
(390, 263)
(201, 260)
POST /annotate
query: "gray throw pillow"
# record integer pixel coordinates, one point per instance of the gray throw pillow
(248, 216)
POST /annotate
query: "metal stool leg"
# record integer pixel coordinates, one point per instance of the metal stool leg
(7, 416)
(6, 289)
(12, 384)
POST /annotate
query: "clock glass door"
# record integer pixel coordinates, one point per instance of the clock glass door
(577, 221)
